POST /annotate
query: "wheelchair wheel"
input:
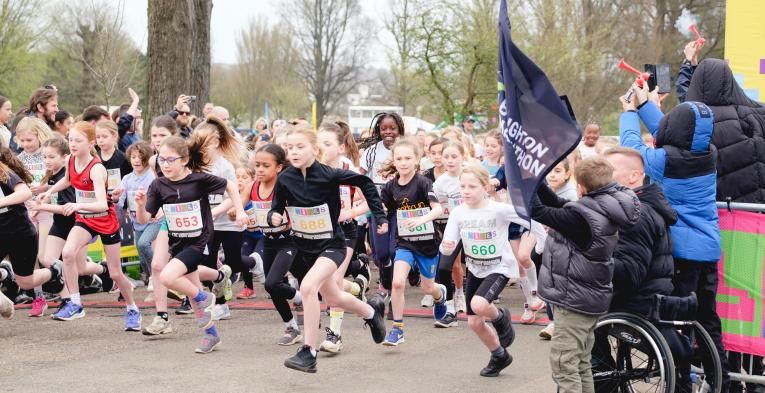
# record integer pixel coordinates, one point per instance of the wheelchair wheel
(706, 369)
(630, 355)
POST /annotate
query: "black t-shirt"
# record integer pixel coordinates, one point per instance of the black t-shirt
(430, 174)
(410, 198)
(13, 219)
(186, 207)
(61, 197)
(118, 163)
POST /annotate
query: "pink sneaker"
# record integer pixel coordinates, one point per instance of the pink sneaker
(38, 307)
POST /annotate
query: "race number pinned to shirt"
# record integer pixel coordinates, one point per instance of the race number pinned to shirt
(215, 200)
(311, 222)
(37, 170)
(113, 179)
(183, 219)
(81, 196)
(481, 247)
(420, 232)
(253, 216)
(261, 218)
(345, 198)
(132, 205)
(448, 206)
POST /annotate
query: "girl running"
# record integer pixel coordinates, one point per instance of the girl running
(409, 196)
(252, 238)
(336, 142)
(18, 239)
(481, 225)
(182, 193)
(279, 250)
(308, 191)
(492, 148)
(116, 163)
(447, 190)
(94, 215)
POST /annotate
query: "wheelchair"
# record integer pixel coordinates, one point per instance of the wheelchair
(632, 355)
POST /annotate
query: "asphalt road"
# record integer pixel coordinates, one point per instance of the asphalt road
(94, 354)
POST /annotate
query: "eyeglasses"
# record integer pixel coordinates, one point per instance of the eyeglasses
(167, 160)
(182, 113)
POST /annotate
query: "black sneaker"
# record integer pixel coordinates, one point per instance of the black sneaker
(302, 361)
(448, 320)
(504, 328)
(185, 307)
(57, 279)
(23, 298)
(377, 323)
(496, 364)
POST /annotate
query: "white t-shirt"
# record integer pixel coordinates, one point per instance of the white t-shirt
(221, 167)
(373, 160)
(587, 151)
(447, 190)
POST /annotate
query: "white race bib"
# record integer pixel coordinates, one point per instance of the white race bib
(311, 222)
(215, 200)
(481, 247)
(113, 179)
(345, 198)
(132, 205)
(448, 206)
(38, 172)
(81, 196)
(422, 232)
(184, 219)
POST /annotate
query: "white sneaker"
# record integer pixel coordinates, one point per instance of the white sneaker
(221, 312)
(150, 287)
(536, 304)
(459, 301)
(548, 331)
(257, 270)
(427, 301)
(529, 315)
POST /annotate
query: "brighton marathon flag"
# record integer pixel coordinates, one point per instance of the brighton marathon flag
(537, 129)
(741, 283)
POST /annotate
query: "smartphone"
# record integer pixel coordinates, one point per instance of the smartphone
(192, 99)
(660, 76)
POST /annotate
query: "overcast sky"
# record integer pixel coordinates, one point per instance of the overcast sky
(228, 18)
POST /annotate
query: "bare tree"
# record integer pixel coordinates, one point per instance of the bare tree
(331, 37)
(400, 25)
(16, 40)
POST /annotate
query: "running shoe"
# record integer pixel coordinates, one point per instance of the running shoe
(185, 307)
(548, 331)
(171, 294)
(363, 284)
(221, 312)
(427, 301)
(150, 285)
(536, 304)
(302, 361)
(257, 269)
(395, 337)
(459, 301)
(449, 320)
(209, 343)
(6, 307)
(529, 315)
(377, 322)
(56, 283)
(504, 328)
(149, 298)
(221, 288)
(39, 306)
(23, 298)
(333, 343)
(496, 364)
(204, 311)
(291, 336)
(439, 307)
(158, 326)
(246, 293)
(133, 321)
(69, 312)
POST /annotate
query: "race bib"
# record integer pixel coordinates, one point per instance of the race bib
(481, 247)
(215, 200)
(448, 206)
(183, 219)
(252, 215)
(113, 179)
(132, 205)
(422, 232)
(38, 172)
(261, 210)
(81, 196)
(54, 198)
(311, 222)
(345, 198)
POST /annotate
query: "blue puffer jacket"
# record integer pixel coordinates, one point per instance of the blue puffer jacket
(683, 164)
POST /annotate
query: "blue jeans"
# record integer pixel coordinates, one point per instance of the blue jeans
(143, 240)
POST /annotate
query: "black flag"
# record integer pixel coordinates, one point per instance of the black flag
(537, 129)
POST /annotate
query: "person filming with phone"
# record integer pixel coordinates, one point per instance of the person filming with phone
(182, 115)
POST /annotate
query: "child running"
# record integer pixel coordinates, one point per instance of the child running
(308, 191)
(18, 239)
(94, 216)
(481, 225)
(182, 193)
(409, 196)
(252, 238)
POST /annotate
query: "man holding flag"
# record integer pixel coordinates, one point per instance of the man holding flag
(538, 132)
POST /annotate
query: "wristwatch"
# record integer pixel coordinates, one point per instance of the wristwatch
(687, 62)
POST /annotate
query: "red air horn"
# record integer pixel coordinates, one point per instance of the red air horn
(641, 76)
(699, 40)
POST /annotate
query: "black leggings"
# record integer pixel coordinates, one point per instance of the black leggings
(249, 245)
(384, 248)
(279, 257)
(445, 265)
(232, 248)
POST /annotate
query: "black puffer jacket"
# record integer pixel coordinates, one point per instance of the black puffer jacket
(643, 263)
(739, 132)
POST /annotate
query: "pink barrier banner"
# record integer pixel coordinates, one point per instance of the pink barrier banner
(741, 281)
